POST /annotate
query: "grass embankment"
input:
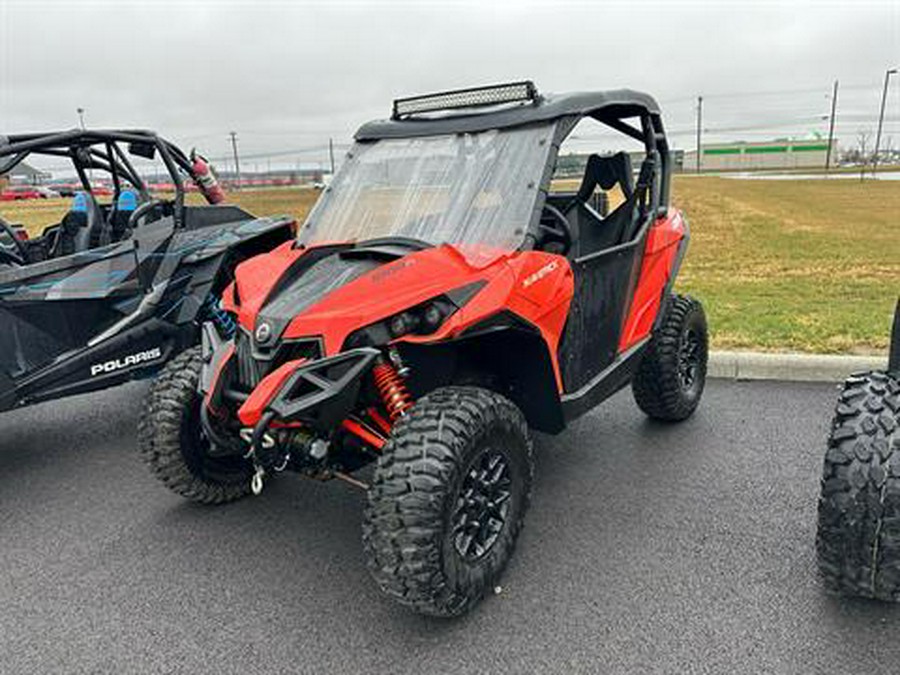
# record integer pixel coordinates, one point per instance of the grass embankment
(780, 265)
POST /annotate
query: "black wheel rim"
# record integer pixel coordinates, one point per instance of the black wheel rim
(482, 505)
(689, 359)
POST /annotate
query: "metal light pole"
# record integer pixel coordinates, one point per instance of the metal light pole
(831, 126)
(237, 165)
(887, 77)
(80, 112)
(699, 123)
(331, 153)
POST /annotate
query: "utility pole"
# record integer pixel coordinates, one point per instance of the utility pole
(331, 153)
(831, 126)
(887, 77)
(237, 165)
(699, 126)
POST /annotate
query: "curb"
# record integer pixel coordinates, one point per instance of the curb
(789, 367)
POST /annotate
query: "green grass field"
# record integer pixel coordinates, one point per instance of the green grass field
(781, 265)
(794, 265)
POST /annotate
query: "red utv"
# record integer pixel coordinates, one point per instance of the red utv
(440, 302)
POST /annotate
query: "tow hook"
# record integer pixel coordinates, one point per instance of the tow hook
(267, 442)
(256, 483)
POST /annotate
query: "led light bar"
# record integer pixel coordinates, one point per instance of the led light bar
(465, 98)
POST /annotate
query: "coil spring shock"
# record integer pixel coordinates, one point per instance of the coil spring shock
(222, 320)
(394, 394)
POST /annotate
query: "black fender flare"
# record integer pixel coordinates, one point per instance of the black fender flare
(506, 354)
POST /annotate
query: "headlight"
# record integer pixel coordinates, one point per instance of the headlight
(422, 319)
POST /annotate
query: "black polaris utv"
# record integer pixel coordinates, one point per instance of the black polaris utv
(858, 542)
(114, 289)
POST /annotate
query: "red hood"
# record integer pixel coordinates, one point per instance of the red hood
(279, 288)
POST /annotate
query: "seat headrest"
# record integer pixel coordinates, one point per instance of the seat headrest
(80, 202)
(128, 200)
(606, 171)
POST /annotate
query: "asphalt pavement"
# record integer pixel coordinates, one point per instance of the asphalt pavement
(648, 549)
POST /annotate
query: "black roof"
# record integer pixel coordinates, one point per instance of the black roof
(614, 103)
(14, 148)
(88, 149)
(13, 143)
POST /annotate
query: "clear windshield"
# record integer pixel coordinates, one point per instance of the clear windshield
(459, 189)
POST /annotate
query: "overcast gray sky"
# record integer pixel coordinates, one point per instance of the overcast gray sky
(288, 75)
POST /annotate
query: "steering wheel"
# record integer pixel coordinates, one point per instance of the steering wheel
(16, 254)
(559, 231)
(142, 210)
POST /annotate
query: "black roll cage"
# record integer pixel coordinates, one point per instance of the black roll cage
(651, 133)
(656, 147)
(99, 149)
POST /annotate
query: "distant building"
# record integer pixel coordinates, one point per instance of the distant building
(778, 154)
(572, 165)
(23, 173)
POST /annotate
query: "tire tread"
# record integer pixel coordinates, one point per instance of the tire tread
(403, 525)
(858, 536)
(656, 386)
(159, 434)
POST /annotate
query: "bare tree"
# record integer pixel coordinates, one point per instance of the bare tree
(887, 152)
(862, 148)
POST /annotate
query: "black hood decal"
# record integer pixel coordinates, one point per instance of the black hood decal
(315, 282)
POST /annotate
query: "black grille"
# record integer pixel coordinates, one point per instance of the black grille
(249, 370)
(291, 350)
(254, 366)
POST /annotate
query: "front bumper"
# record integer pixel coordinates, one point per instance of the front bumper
(318, 393)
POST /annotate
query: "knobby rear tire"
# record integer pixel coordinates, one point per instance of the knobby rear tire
(659, 387)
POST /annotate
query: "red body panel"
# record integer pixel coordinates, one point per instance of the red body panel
(255, 277)
(535, 285)
(657, 269)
